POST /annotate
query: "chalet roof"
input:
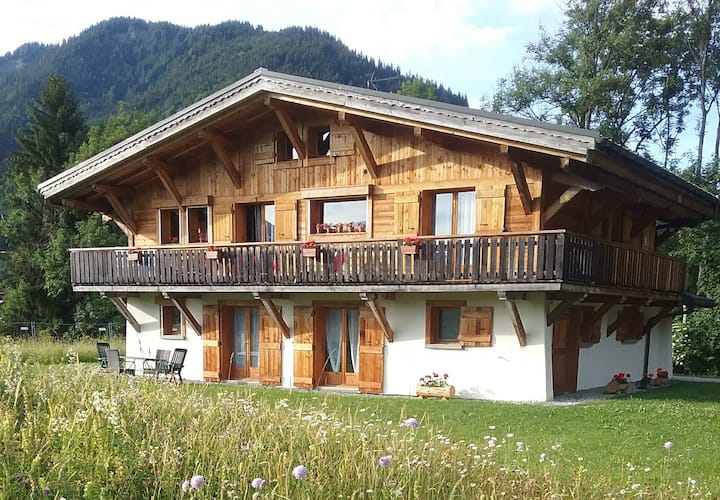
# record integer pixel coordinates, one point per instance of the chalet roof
(574, 143)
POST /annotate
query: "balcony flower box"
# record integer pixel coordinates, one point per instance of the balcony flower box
(134, 254)
(410, 245)
(309, 249)
(212, 253)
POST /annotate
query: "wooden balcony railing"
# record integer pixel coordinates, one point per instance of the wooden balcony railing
(548, 256)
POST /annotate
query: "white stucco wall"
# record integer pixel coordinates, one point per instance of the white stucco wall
(598, 363)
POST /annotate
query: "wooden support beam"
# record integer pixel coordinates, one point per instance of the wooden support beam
(600, 312)
(122, 308)
(663, 313)
(565, 164)
(289, 127)
(371, 300)
(120, 191)
(162, 170)
(185, 312)
(359, 137)
(274, 313)
(511, 305)
(217, 137)
(563, 306)
(565, 198)
(220, 146)
(521, 184)
(112, 197)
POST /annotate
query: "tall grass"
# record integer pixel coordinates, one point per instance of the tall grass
(79, 433)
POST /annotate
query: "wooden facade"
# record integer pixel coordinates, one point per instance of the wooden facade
(224, 196)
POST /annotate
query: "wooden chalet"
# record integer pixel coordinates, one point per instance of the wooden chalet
(303, 233)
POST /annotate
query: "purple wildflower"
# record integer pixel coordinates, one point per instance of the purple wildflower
(299, 472)
(385, 461)
(46, 491)
(257, 483)
(411, 422)
(197, 482)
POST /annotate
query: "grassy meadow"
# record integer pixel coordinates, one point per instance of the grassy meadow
(70, 431)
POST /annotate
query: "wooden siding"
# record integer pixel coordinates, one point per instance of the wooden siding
(551, 256)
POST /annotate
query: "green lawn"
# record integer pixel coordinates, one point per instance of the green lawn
(82, 433)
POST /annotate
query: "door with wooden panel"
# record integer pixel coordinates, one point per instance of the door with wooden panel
(304, 374)
(371, 353)
(241, 325)
(211, 344)
(341, 335)
(270, 351)
(565, 353)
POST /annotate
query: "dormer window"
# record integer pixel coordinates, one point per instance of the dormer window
(285, 150)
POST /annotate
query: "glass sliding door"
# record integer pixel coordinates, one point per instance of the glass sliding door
(342, 345)
(245, 340)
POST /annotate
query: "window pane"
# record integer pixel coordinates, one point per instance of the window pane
(352, 356)
(239, 337)
(269, 222)
(345, 212)
(442, 217)
(169, 226)
(197, 224)
(170, 320)
(466, 212)
(448, 324)
(333, 339)
(254, 337)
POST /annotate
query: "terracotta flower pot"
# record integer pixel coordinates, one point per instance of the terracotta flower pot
(310, 252)
(442, 392)
(660, 381)
(615, 387)
(409, 249)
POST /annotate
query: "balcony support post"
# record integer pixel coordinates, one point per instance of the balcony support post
(122, 308)
(179, 303)
(510, 299)
(379, 313)
(563, 306)
(274, 313)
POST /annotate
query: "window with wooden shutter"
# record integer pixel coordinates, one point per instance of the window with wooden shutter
(304, 347)
(286, 220)
(407, 214)
(490, 206)
(265, 149)
(631, 325)
(222, 224)
(270, 350)
(371, 353)
(589, 331)
(211, 343)
(476, 326)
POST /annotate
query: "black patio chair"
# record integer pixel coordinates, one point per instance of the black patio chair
(176, 365)
(158, 365)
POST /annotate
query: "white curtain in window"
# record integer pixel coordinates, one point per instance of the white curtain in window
(353, 328)
(466, 212)
(333, 337)
(239, 337)
(254, 338)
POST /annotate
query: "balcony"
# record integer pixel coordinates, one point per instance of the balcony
(548, 260)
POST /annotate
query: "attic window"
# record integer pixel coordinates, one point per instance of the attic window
(319, 141)
(285, 150)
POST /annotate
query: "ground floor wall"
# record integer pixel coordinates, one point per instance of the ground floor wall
(503, 370)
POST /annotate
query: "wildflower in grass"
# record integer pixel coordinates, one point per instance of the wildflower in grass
(257, 483)
(185, 486)
(385, 461)
(46, 491)
(299, 472)
(543, 456)
(197, 481)
(411, 422)
(668, 445)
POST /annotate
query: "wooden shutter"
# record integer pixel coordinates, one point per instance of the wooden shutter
(631, 325)
(407, 214)
(341, 141)
(515, 218)
(589, 332)
(146, 223)
(211, 344)
(304, 347)
(476, 325)
(222, 224)
(270, 350)
(265, 149)
(286, 220)
(370, 378)
(490, 207)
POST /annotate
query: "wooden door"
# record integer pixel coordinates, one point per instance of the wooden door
(371, 353)
(304, 348)
(270, 351)
(211, 344)
(565, 354)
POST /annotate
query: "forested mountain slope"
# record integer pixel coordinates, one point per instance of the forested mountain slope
(159, 68)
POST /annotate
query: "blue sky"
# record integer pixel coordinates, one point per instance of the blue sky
(466, 45)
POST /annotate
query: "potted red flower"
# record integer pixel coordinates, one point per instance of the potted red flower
(619, 383)
(410, 245)
(309, 249)
(661, 377)
(435, 386)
